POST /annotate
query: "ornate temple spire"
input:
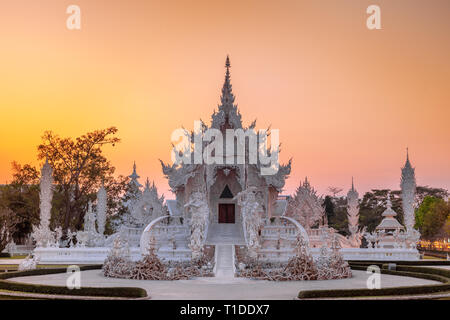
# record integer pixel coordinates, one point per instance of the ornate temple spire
(227, 98)
(134, 176)
(147, 185)
(228, 114)
(408, 186)
(353, 210)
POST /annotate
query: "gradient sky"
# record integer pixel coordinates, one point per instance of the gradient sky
(347, 100)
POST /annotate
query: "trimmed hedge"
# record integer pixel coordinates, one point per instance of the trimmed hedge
(121, 292)
(403, 263)
(440, 275)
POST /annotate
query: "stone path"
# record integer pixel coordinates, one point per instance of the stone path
(10, 261)
(225, 233)
(224, 263)
(224, 289)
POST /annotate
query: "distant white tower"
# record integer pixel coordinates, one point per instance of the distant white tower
(408, 186)
(101, 209)
(353, 209)
(46, 195)
(42, 233)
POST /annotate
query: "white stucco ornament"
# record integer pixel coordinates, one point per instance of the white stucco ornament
(42, 234)
(251, 216)
(199, 212)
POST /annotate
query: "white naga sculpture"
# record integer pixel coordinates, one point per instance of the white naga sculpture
(198, 221)
(29, 263)
(43, 236)
(251, 218)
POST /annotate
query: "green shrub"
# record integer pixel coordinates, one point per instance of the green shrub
(125, 292)
(441, 275)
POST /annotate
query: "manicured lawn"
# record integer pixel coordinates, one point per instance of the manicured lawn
(4, 296)
(432, 258)
(13, 257)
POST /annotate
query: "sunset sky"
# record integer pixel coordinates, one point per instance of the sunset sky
(347, 100)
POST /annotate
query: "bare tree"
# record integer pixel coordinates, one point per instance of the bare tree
(335, 191)
(79, 168)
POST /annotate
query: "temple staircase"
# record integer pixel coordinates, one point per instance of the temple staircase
(225, 233)
(224, 261)
(225, 236)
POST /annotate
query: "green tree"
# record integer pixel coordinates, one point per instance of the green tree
(21, 199)
(424, 208)
(431, 217)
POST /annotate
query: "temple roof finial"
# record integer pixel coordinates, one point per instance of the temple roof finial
(353, 186)
(227, 98)
(134, 176)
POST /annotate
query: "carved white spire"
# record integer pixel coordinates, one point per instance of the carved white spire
(134, 176)
(228, 115)
(42, 234)
(101, 209)
(46, 194)
(408, 186)
(353, 209)
(227, 98)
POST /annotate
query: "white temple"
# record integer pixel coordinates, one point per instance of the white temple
(223, 204)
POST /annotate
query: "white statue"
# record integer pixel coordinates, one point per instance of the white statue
(29, 263)
(371, 238)
(121, 247)
(89, 236)
(251, 217)
(42, 234)
(199, 213)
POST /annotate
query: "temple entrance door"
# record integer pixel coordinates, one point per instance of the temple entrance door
(226, 213)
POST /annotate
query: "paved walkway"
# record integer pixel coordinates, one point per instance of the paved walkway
(223, 289)
(10, 261)
(225, 233)
(224, 263)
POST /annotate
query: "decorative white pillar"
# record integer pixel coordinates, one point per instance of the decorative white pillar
(43, 235)
(408, 186)
(46, 195)
(353, 210)
(101, 209)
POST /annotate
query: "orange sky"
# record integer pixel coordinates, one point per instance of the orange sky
(347, 100)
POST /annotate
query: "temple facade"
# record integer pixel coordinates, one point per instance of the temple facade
(222, 181)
